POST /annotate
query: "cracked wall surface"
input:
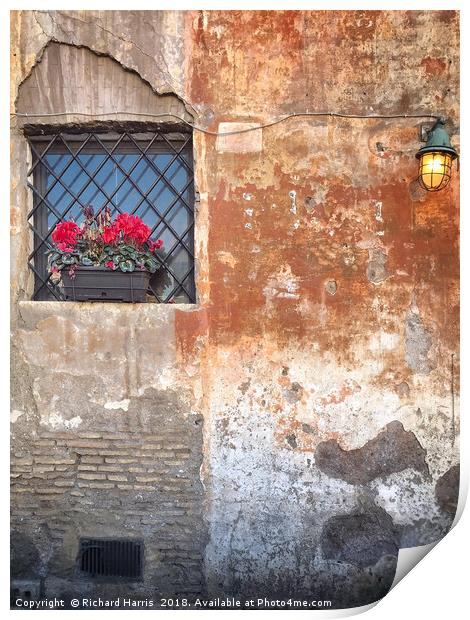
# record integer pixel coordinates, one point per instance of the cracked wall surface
(318, 372)
(68, 76)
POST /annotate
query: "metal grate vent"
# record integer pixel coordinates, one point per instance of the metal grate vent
(101, 557)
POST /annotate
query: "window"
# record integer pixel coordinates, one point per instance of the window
(102, 557)
(149, 174)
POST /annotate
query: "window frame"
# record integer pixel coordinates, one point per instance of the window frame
(110, 142)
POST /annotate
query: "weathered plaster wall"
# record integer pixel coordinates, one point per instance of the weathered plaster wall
(107, 428)
(319, 356)
(70, 78)
(338, 312)
(107, 443)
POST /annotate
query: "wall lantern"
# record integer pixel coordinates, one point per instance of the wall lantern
(435, 158)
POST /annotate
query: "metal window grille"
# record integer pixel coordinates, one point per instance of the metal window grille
(149, 174)
(101, 557)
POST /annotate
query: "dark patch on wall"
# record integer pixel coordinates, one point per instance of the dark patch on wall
(292, 441)
(24, 556)
(403, 389)
(393, 450)
(416, 192)
(359, 539)
(243, 387)
(376, 270)
(331, 287)
(97, 126)
(418, 343)
(294, 393)
(424, 531)
(447, 490)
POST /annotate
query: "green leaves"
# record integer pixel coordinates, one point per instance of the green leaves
(127, 265)
(68, 259)
(151, 264)
(124, 257)
(127, 258)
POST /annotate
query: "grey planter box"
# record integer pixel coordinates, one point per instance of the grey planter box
(102, 284)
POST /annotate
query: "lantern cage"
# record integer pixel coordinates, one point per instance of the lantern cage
(435, 159)
(434, 171)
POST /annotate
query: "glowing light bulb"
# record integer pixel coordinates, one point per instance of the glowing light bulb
(435, 170)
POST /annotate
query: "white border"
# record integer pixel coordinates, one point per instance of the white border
(438, 586)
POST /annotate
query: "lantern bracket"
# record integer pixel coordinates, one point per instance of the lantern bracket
(426, 128)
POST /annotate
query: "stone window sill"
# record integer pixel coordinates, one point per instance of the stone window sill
(33, 310)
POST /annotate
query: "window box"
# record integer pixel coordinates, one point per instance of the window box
(103, 284)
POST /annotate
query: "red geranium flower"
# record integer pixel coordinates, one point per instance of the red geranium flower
(155, 245)
(132, 228)
(109, 264)
(110, 234)
(66, 233)
(65, 247)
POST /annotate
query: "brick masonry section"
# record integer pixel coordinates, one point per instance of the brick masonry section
(113, 484)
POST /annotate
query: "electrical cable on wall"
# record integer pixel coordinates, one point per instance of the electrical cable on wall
(238, 131)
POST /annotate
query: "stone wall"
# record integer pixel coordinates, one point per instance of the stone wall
(103, 449)
(308, 404)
